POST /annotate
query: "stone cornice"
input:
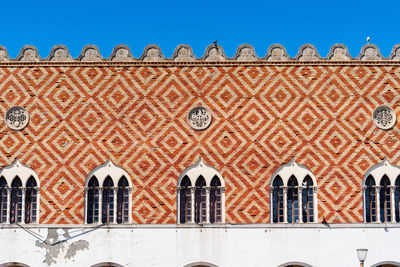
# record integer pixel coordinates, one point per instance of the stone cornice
(183, 54)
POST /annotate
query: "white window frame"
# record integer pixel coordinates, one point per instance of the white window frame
(299, 171)
(101, 172)
(200, 168)
(377, 172)
(24, 173)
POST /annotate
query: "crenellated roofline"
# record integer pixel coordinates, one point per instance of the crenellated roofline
(213, 53)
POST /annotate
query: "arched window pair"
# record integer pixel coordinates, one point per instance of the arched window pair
(293, 195)
(381, 193)
(19, 194)
(108, 195)
(201, 195)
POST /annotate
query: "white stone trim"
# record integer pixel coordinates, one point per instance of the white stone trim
(101, 172)
(17, 169)
(293, 168)
(300, 172)
(383, 168)
(200, 168)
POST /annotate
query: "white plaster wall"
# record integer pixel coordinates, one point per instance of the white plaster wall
(176, 246)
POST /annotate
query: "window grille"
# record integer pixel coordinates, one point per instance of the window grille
(292, 201)
(370, 200)
(185, 200)
(384, 199)
(93, 201)
(277, 200)
(123, 201)
(16, 201)
(215, 201)
(30, 201)
(108, 201)
(308, 200)
(200, 201)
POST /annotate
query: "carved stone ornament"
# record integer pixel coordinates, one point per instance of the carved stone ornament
(3, 54)
(384, 117)
(59, 53)
(17, 118)
(245, 52)
(199, 118)
(276, 52)
(121, 53)
(183, 53)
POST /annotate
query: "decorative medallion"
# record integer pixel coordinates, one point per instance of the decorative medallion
(199, 118)
(384, 117)
(17, 118)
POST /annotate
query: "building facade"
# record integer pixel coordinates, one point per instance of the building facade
(211, 161)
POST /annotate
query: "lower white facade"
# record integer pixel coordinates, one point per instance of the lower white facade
(316, 245)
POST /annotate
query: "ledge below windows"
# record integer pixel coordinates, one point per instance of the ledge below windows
(207, 226)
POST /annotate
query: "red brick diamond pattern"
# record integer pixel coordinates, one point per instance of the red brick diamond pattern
(263, 117)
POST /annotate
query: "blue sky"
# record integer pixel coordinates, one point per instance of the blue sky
(198, 23)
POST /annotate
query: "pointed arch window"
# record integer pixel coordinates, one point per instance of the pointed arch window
(293, 195)
(200, 202)
(385, 203)
(3, 200)
(215, 201)
(277, 200)
(108, 195)
(201, 195)
(123, 201)
(19, 194)
(185, 200)
(308, 200)
(381, 193)
(370, 200)
(31, 200)
(16, 201)
(93, 200)
(108, 201)
(292, 201)
(397, 200)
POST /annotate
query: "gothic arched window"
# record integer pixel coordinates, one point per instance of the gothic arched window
(293, 194)
(3, 200)
(215, 200)
(108, 195)
(31, 201)
(292, 201)
(381, 193)
(384, 199)
(16, 201)
(19, 194)
(397, 200)
(370, 200)
(123, 201)
(93, 201)
(307, 200)
(108, 201)
(201, 195)
(277, 200)
(185, 200)
(200, 201)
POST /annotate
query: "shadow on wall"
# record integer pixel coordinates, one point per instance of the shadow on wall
(201, 264)
(387, 264)
(294, 264)
(13, 264)
(106, 264)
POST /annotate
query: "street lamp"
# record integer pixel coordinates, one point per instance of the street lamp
(362, 255)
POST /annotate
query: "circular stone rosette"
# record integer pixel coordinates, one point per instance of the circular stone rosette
(199, 118)
(17, 118)
(384, 117)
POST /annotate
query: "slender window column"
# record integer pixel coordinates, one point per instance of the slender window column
(222, 204)
(115, 205)
(192, 191)
(378, 203)
(300, 194)
(364, 204)
(315, 204)
(285, 189)
(178, 204)
(392, 206)
(86, 207)
(8, 204)
(130, 205)
(208, 204)
(23, 205)
(37, 204)
(100, 205)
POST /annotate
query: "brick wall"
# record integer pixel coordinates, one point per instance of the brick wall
(263, 115)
